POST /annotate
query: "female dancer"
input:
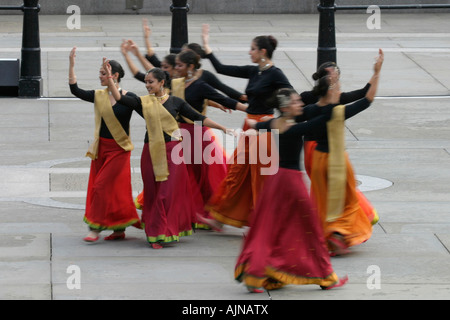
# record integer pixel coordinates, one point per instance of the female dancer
(331, 69)
(333, 184)
(168, 204)
(109, 204)
(285, 244)
(234, 201)
(209, 171)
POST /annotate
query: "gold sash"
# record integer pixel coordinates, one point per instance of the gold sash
(178, 88)
(103, 109)
(337, 176)
(158, 120)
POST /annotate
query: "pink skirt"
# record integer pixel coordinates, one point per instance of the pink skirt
(285, 244)
(206, 165)
(168, 206)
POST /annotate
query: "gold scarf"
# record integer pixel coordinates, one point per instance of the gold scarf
(337, 177)
(178, 88)
(103, 109)
(158, 120)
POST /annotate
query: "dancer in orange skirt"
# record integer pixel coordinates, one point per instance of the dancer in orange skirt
(109, 203)
(285, 244)
(333, 182)
(236, 197)
(308, 97)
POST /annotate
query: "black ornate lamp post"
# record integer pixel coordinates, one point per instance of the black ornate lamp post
(326, 50)
(179, 9)
(30, 82)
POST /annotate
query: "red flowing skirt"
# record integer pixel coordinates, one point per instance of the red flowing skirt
(285, 244)
(109, 203)
(168, 206)
(206, 165)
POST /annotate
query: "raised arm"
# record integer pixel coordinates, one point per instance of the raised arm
(147, 33)
(229, 70)
(376, 76)
(135, 50)
(125, 48)
(72, 56)
(86, 95)
(111, 85)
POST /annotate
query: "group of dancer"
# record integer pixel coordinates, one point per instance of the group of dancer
(292, 231)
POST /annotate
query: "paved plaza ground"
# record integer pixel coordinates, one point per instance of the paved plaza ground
(399, 147)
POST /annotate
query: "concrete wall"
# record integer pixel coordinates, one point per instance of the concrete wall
(158, 7)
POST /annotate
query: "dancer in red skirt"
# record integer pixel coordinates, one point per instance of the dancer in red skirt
(109, 203)
(168, 208)
(285, 244)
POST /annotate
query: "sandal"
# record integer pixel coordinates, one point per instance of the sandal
(338, 284)
(156, 245)
(114, 236)
(338, 245)
(213, 224)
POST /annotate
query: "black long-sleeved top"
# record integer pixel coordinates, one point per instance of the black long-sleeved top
(174, 105)
(320, 134)
(196, 93)
(290, 142)
(122, 112)
(261, 85)
(346, 97)
(206, 76)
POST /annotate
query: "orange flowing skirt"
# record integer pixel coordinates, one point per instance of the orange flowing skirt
(234, 200)
(371, 212)
(353, 223)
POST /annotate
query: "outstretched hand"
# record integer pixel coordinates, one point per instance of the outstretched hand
(378, 61)
(72, 56)
(205, 38)
(146, 29)
(107, 67)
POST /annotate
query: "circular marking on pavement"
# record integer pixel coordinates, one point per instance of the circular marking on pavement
(61, 198)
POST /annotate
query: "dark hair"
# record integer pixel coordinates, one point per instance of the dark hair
(170, 58)
(321, 87)
(196, 48)
(190, 57)
(266, 42)
(276, 100)
(116, 67)
(160, 75)
(321, 71)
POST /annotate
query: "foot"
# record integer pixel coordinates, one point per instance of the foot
(156, 245)
(255, 290)
(337, 245)
(120, 235)
(92, 236)
(213, 224)
(338, 284)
